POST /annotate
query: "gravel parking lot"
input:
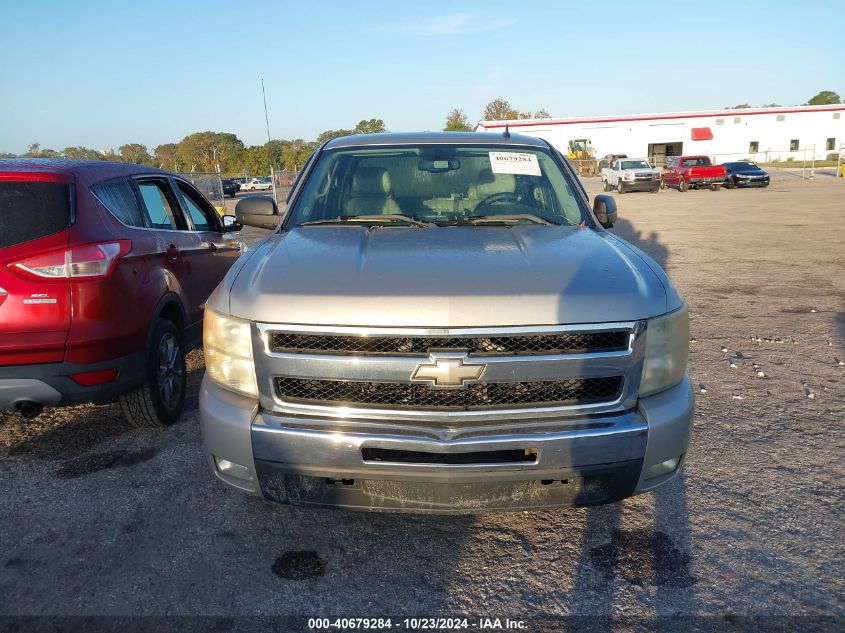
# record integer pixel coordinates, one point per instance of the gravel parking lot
(99, 518)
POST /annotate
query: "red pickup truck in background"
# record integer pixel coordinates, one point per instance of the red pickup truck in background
(692, 172)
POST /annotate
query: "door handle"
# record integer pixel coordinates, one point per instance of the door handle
(173, 252)
(212, 247)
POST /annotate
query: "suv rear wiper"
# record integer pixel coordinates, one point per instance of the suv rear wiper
(505, 219)
(387, 217)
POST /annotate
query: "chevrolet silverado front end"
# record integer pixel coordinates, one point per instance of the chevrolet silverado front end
(442, 324)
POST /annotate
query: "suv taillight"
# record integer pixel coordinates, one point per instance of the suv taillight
(91, 261)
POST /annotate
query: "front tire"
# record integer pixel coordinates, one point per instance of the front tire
(662, 184)
(159, 401)
(682, 185)
(605, 185)
(620, 186)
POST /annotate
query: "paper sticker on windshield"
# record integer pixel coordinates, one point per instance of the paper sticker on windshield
(523, 164)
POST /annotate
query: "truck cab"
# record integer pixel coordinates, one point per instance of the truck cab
(693, 172)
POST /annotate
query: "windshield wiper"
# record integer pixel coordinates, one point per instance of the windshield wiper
(376, 219)
(515, 218)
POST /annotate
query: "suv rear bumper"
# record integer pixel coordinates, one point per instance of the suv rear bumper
(317, 461)
(50, 384)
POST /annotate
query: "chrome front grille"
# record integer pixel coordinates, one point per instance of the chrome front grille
(524, 345)
(551, 393)
(446, 375)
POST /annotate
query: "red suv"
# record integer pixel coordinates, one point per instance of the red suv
(104, 272)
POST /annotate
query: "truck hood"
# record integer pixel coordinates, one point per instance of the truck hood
(640, 170)
(445, 277)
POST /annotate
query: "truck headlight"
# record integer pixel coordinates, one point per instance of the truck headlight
(666, 352)
(227, 346)
(627, 176)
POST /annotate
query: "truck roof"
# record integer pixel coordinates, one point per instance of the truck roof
(435, 138)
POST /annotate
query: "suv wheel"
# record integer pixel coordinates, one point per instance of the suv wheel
(159, 401)
(682, 184)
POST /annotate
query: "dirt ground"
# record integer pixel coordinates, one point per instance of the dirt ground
(99, 518)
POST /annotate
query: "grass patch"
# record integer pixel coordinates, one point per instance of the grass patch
(781, 164)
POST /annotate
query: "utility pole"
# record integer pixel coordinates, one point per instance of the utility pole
(269, 157)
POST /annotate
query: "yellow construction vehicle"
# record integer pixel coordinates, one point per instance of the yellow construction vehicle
(582, 157)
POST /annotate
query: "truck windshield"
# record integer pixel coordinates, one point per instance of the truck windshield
(635, 164)
(437, 184)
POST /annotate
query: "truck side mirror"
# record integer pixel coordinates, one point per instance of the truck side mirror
(258, 211)
(605, 209)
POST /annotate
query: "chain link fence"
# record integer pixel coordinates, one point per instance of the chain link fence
(209, 184)
(284, 182)
(797, 158)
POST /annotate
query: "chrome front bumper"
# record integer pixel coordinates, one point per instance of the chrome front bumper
(314, 460)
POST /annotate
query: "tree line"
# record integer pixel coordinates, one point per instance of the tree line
(825, 97)
(496, 110)
(501, 110)
(205, 151)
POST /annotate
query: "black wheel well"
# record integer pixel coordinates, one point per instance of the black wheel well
(173, 313)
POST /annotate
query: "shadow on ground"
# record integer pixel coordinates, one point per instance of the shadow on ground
(68, 432)
(650, 243)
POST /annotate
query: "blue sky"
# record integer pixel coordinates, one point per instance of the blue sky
(101, 74)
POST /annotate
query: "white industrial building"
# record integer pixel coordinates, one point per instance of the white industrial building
(760, 134)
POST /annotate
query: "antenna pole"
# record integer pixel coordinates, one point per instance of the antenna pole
(269, 157)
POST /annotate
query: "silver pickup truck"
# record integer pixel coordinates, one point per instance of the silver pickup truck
(442, 323)
(630, 174)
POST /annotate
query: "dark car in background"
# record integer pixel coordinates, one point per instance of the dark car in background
(105, 269)
(230, 187)
(745, 174)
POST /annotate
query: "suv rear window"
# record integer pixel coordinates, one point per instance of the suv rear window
(31, 210)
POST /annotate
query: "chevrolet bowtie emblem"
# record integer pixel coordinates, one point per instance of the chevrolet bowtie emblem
(447, 371)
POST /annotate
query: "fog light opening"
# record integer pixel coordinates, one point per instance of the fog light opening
(554, 482)
(663, 468)
(340, 483)
(231, 469)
